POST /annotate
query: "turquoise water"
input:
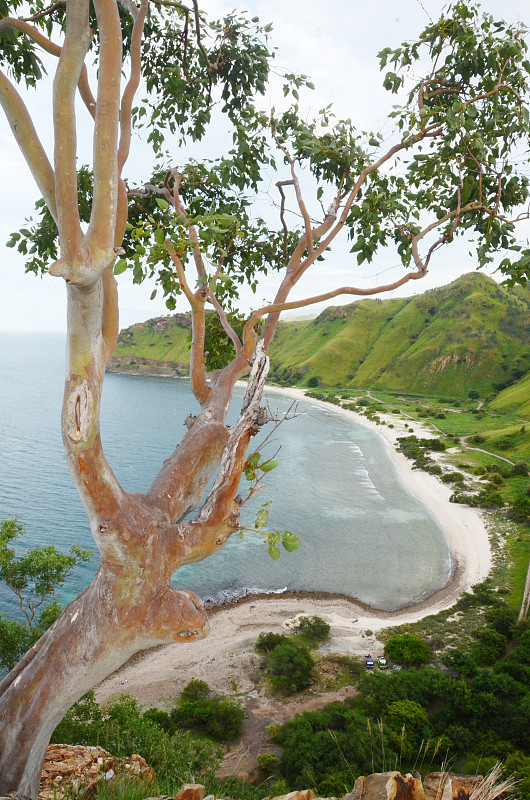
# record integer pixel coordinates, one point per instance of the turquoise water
(362, 534)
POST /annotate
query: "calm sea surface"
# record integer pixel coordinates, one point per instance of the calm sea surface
(362, 534)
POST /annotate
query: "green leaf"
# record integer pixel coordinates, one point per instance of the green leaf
(160, 236)
(290, 541)
(262, 517)
(267, 466)
(274, 552)
(161, 203)
(120, 266)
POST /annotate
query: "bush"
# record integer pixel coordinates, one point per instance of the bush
(503, 619)
(217, 716)
(290, 668)
(122, 729)
(268, 641)
(407, 649)
(435, 469)
(313, 628)
(477, 438)
(490, 646)
(503, 443)
(520, 468)
(520, 508)
(452, 477)
(460, 662)
(195, 690)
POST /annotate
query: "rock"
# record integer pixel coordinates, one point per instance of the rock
(74, 768)
(387, 786)
(191, 791)
(444, 786)
(306, 794)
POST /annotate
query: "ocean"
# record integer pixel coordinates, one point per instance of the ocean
(361, 533)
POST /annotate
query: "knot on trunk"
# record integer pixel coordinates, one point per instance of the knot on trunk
(175, 616)
(79, 410)
(190, 419)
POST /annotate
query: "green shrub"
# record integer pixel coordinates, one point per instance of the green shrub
(268, 641)
(290, 668)
(460, 662)
(452, 477)
(520, 508)
(490, 646)
(434, 469)
(520, 468)
(313, 628)
(407, 649)
(200, 710)
(195, 690)
(122, 729)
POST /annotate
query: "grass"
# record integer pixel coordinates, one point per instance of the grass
(443, 342)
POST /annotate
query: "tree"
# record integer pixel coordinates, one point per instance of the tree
(34, 578)
(451, 168)
(290, 667)
(314, 628)
(408, 649)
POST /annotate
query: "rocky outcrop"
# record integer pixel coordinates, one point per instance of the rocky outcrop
(80, 768)
(74, 768)
(379, 786)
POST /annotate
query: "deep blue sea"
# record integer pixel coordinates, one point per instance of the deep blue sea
(362, 534)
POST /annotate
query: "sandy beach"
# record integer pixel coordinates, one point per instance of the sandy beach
(225, 658)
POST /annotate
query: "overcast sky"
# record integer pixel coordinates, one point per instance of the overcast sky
(336, 43)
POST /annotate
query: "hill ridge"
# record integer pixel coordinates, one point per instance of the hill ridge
(472, 334)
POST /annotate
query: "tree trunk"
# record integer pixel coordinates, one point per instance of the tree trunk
(114, 618)
(130, 605)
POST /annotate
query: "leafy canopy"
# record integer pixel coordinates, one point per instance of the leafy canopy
(454, 166)
(34, 577)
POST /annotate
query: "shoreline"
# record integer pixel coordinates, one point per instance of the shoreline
(462, 526)
(225, 658)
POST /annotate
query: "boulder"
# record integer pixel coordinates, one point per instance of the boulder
(77, 768)
(191, 791)
(444, 786)
(387, 786)
(305, 794)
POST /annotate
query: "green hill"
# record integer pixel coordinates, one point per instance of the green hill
(471, 334)
(159, 346)
(515, 398)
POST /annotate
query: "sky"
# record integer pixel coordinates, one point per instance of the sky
(336, 43)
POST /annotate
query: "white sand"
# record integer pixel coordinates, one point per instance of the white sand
(225, 659)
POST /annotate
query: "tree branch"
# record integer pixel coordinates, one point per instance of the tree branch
(77, 41)
(228, 329)
(219, 514)
(132, 85)
(47, 11)
(105, 196)
(28, 141)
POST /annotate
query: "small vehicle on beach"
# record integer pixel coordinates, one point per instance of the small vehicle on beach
(369, 662)
(381, 662)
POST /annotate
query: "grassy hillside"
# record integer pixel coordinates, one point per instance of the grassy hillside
(160, 345)
(472, 334)
(516, 398)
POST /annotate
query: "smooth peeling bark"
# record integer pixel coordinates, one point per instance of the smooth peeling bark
(114, 618)
(130, 605)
